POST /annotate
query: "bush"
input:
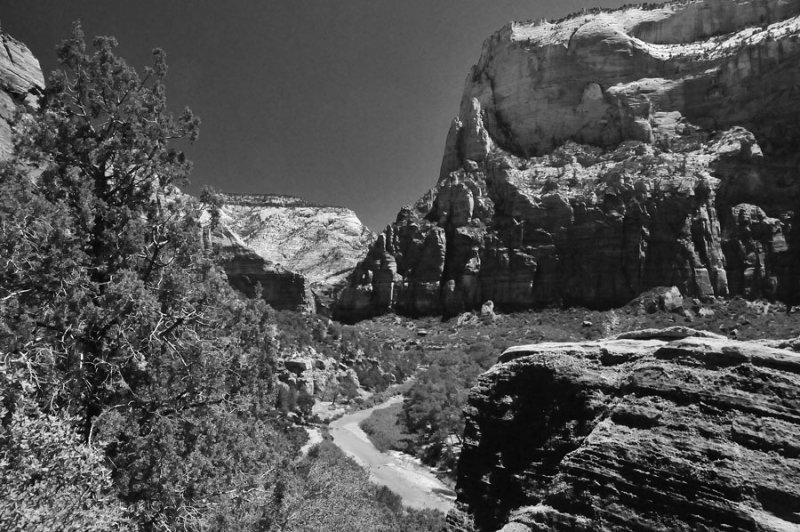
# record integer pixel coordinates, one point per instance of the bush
(329, 491)
(386, 431)
(50, 480)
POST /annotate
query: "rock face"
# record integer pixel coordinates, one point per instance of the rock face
(21, 82)
(606, 154)
(659, 430)
(247, 271)
(298, 252)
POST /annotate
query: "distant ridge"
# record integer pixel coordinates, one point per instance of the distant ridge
(270, 200)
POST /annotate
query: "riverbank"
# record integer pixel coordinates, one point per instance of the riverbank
(416, 484)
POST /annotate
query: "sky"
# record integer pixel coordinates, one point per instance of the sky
(340, 102)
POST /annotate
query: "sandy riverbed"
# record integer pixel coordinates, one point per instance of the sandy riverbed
(413, 482)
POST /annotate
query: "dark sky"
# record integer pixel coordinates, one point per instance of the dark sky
(345, 102)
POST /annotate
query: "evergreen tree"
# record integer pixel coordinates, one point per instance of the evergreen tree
(114, 316)
(137, 388)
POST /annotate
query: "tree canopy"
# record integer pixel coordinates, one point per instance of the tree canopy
(116, 319)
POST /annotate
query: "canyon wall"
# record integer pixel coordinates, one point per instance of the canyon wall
(654, 430)
(605, 154)
(298, 252)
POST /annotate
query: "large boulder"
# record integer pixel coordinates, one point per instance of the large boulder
(656, 430)
(603, 155)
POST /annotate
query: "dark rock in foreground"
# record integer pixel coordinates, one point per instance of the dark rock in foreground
(689, 433)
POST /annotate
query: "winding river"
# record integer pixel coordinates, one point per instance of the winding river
(414, 483)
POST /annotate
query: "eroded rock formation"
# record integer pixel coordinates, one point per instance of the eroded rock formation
(320, 242)
(657, 430)
(316, 375)
(606, 154)
(249, 272)
(21, 82)
(298, 252)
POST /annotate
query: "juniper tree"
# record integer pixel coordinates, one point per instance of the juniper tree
(114, 316)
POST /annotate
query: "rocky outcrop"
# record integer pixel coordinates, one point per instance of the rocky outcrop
(656, 430)
(316, 375)
(606, 154)
(293, 248)
(21, 83)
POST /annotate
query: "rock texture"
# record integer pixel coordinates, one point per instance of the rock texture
(21, 82)
(606, 154)
(297, 251)
(316, 375)
(320, 242)
(656, 430)
(249, 272)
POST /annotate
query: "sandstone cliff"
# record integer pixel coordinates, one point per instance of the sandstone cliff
(298, 252)
(21, 82)
(248, 271)
(605, 154)
(656, 430)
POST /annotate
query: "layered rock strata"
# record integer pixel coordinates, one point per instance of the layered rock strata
(21, 83)
(606, 154)
(255, 276)
(320, 242)
(657, 430)
(297, 252)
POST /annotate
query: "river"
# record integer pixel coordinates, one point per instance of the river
(414, 483)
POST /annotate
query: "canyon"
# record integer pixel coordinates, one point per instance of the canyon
(651, 149)
(298, 252)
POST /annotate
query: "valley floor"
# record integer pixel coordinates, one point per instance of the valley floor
(414, 483)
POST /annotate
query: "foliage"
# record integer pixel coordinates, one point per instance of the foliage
(328, 491)
(116, 318)
(324, 492)
(136, 388)
(430, 422)
(385, 430)
(50, 480)
(434, 409)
